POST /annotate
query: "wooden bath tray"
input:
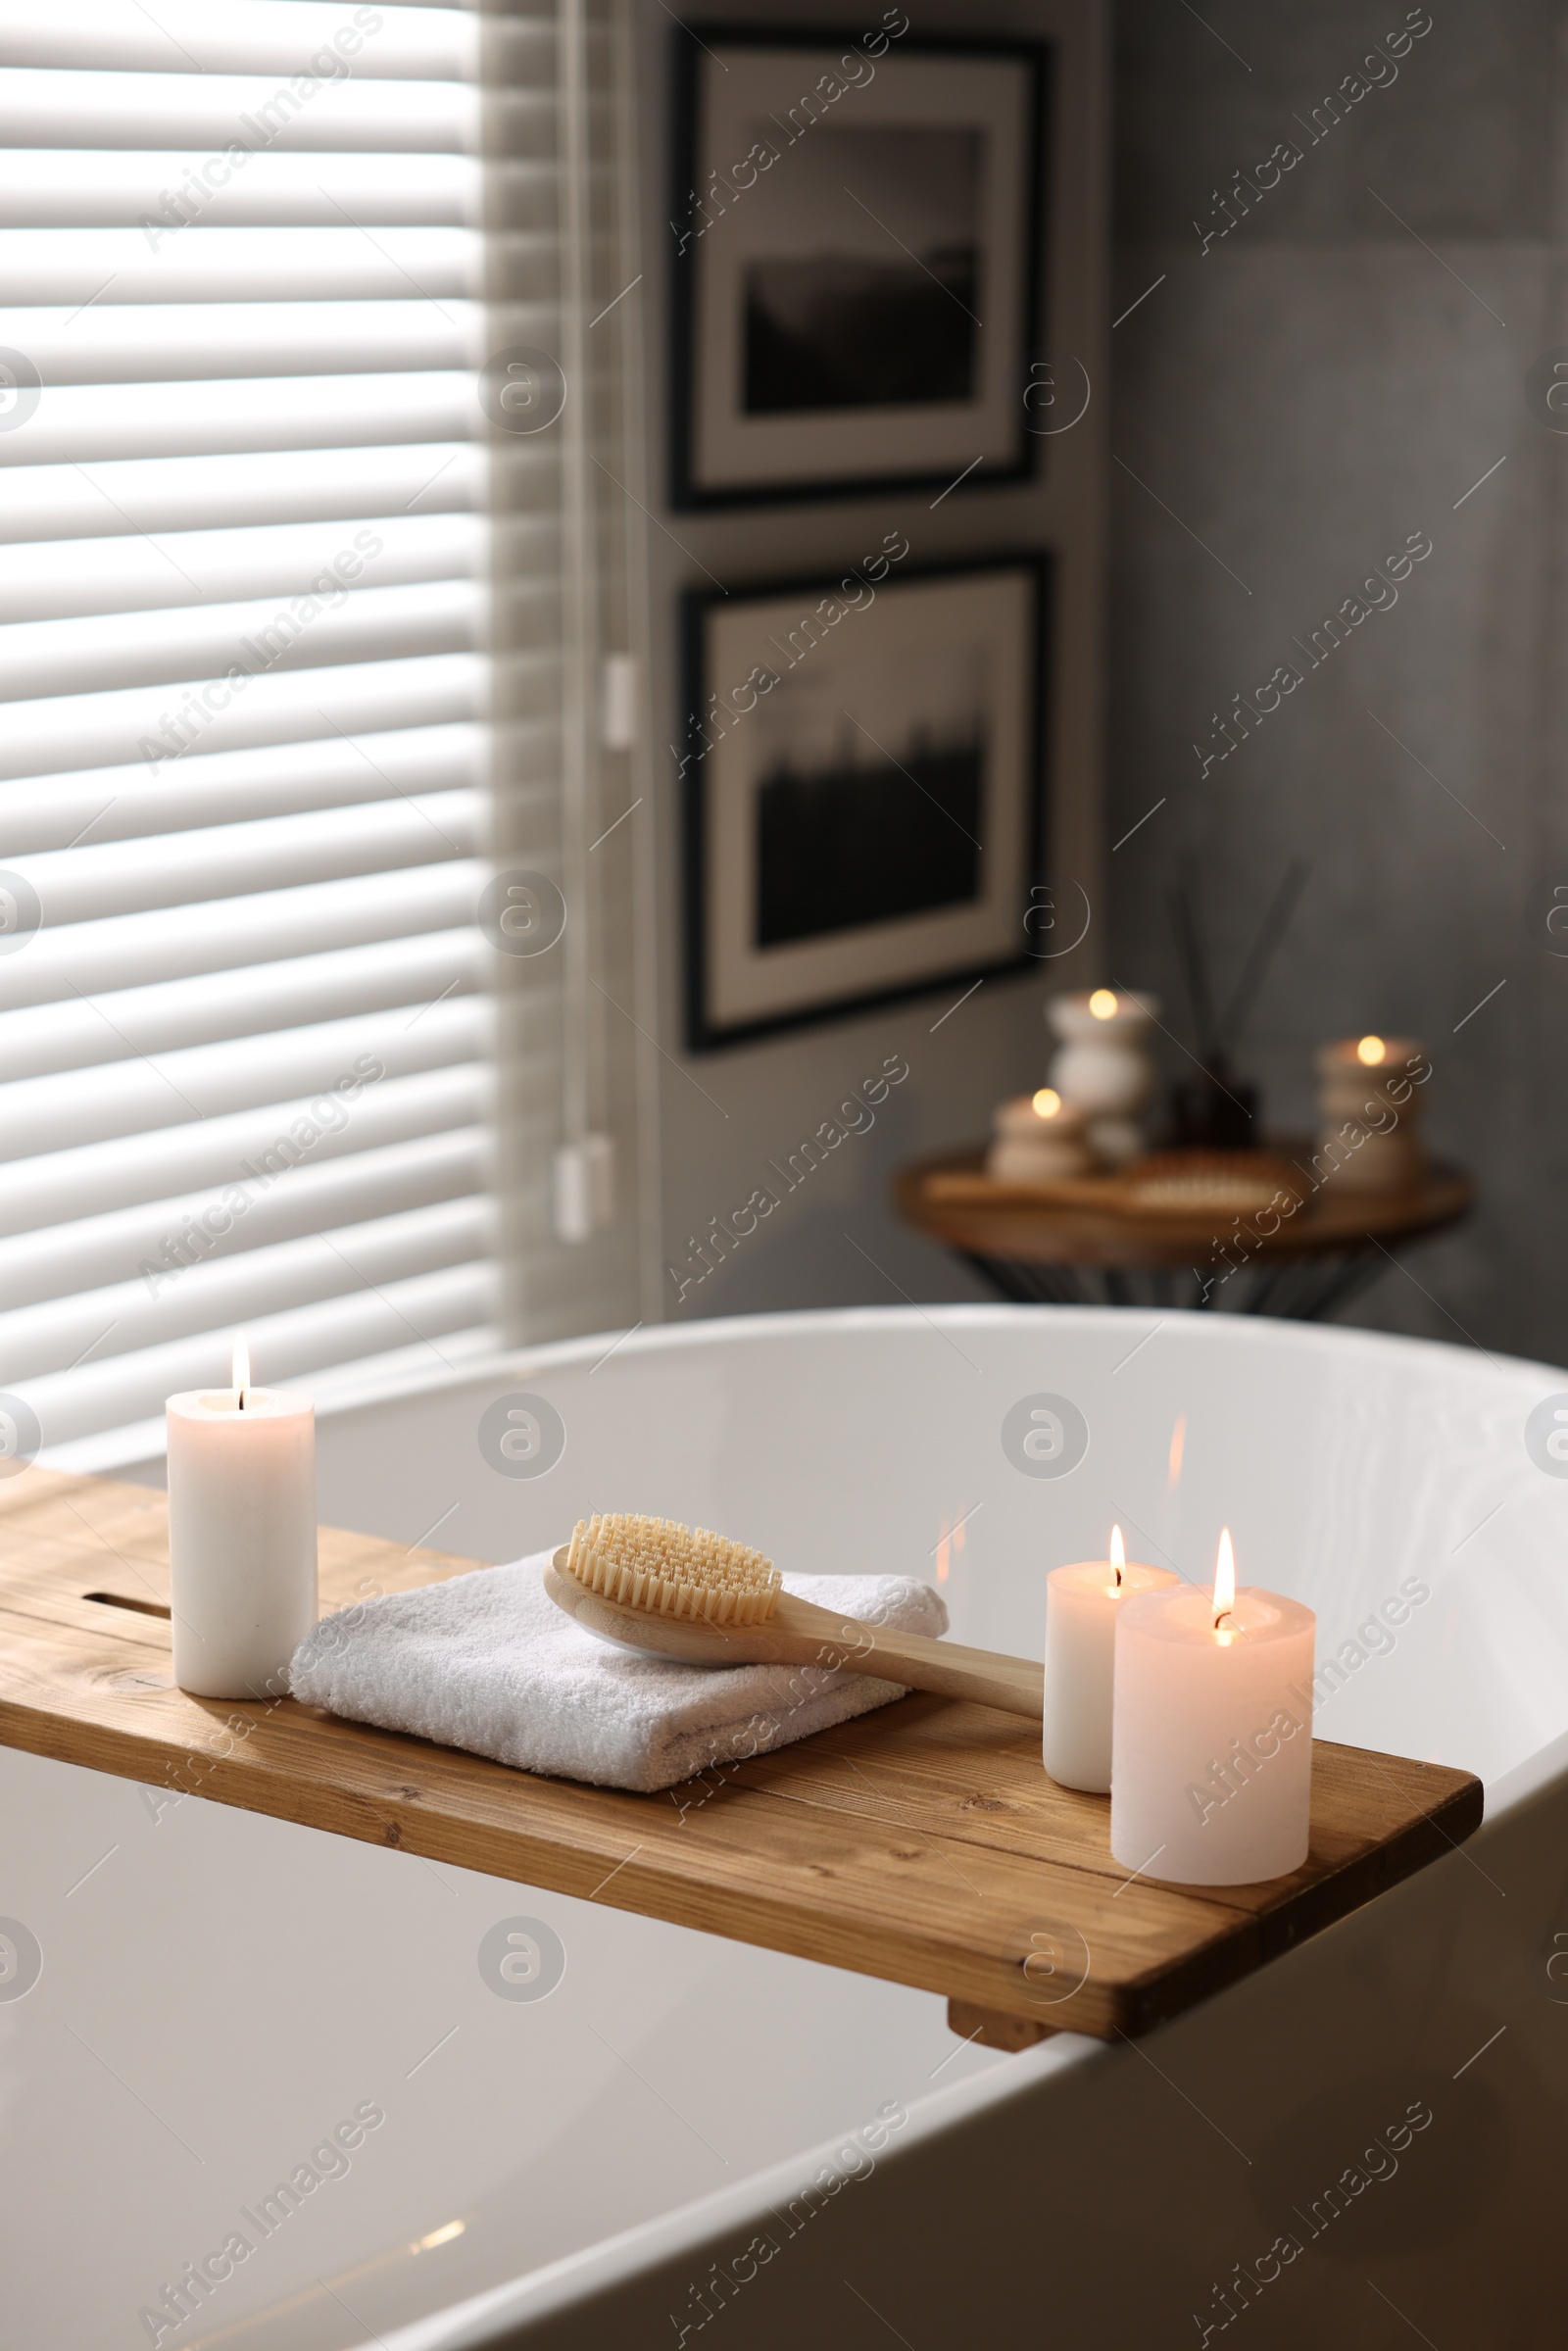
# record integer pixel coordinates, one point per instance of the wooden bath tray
(922, 1843)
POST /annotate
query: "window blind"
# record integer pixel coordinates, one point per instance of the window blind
(252, 255)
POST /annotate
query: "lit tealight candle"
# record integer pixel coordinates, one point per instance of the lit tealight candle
(1082, 1604)
(1369, 1105)
(1347, 1060)
(241, 1535)
(1039, 1139)
(1211, 1762)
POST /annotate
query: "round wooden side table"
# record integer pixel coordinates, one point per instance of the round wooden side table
(1037, 1250)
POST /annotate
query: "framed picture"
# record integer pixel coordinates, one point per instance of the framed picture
(863, 795)
(856, 230)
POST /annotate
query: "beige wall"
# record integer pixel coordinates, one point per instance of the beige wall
(722, 1115)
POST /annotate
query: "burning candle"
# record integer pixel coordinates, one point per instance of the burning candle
(1369, 1136)
(1039, 1139)
(1082, 1605)
(1211, 1761)
(241, 1535)
(1102, 1066)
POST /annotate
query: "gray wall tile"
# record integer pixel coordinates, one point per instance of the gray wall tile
(1302, 396)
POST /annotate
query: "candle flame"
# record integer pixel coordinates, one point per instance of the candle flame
(1224, 1578)
(1102, 1004)
(444, 2236)
(1178, 1446)
(1046, 1102)
(242, 1379)
(1118, 1555)
(1370, 1051)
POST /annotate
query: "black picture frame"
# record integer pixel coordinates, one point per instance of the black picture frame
(718, 790)
(1017, 330)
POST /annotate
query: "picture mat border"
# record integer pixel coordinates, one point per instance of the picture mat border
(988, 103)
(704, 1034)
(849, 706)
(1041, 56)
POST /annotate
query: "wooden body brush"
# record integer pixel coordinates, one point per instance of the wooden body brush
(692, 1595)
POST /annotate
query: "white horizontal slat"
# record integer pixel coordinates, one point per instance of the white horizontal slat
(275, 853)
(160, 342)
(80, 1032)
(126, 804)
(284, 1346)
(93, 1179)
(204, 1081)
(191, 494)
(40, 107)
(158, 1241)
(266, 634)
(258, 37)
(240, 38)
(82, 421)
(166, 262)
(127, 1317)
(128, 950)
(119, 188)
(279, 705)
(242, 578)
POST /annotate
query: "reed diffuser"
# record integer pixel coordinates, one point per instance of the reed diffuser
(1216, 1109)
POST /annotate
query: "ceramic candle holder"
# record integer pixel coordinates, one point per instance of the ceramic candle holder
(1101, 1066)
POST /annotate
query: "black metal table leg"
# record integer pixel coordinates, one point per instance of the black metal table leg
(1291, 1290)
(1023, 1284)
(1341, 1280)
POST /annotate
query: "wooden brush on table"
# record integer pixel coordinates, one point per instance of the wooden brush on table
(685, 1593)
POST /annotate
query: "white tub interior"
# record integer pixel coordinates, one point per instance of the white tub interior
(219, 1990)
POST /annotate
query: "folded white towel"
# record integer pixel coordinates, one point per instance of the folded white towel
(488, 1662)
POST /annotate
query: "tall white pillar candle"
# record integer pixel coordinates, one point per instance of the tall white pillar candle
(241, 1536)
(1082, 1604)
(1211, 1755)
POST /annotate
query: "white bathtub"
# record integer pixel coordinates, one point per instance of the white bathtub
(220, 1991)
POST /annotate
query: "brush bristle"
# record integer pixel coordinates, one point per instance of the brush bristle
(671, 1570)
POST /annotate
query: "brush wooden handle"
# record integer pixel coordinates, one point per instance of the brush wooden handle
(799, 1633)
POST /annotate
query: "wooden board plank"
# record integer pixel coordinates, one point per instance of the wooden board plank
(922, 1843)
